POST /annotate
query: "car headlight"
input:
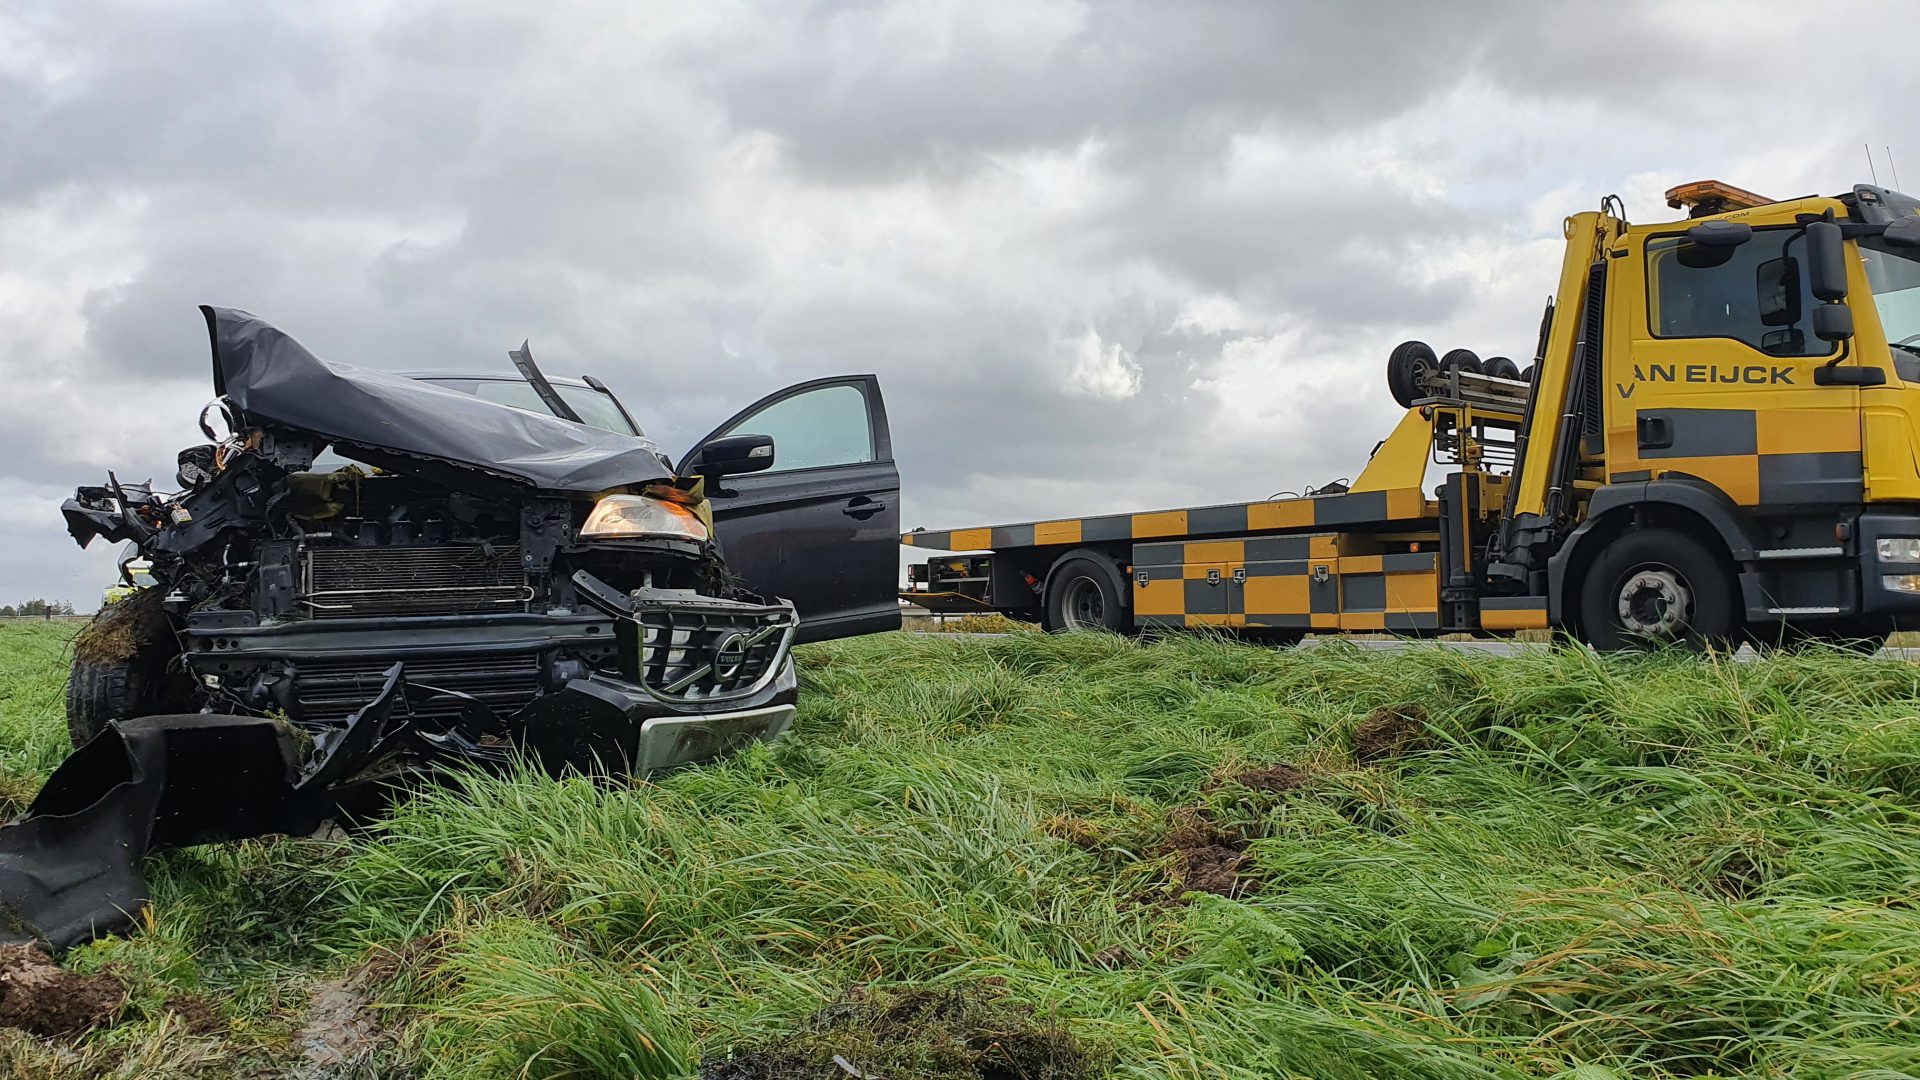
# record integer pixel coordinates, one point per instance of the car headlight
(1904, 549)
(626, 517)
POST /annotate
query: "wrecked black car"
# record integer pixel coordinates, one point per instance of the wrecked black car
(367, 576)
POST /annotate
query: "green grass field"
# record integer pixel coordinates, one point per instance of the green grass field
(976, 857)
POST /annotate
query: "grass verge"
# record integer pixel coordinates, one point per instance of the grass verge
(1182, 858)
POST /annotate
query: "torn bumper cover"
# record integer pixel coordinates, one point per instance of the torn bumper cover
(70, 868)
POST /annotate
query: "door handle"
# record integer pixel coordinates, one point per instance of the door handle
(863, 507)
(1653, 432)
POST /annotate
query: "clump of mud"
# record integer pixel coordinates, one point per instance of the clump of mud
(413, 958)
(123, 630)
(198, 1015)
(1206, 858)
(1390, 731)
(1275, 779)
(340, 1036)
(37, 996)
(912, 1034)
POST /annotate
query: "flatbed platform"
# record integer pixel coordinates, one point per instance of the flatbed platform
(1347, 510)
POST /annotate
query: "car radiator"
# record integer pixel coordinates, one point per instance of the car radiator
(357, 582)
(331, 688)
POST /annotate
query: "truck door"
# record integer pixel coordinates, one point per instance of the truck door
(821, 526)
(1717, 377)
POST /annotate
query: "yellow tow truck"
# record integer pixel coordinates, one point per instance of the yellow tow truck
(1716, 441)
(135, 574)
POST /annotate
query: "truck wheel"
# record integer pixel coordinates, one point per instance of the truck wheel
(103, 690)
(1499, 367)
(1408, 367)
(1656, 587)
(1081, 596)
(1526, 375)
(1461, 360)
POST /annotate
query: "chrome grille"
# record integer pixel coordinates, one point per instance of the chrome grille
(711, 651)
(437, 580)
(330, 689)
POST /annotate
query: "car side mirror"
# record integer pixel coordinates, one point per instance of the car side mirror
(732, 455)
(1826, 262)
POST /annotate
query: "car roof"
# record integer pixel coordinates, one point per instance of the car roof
(493, 376)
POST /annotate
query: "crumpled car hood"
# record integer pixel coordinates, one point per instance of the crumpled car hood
(392, 420)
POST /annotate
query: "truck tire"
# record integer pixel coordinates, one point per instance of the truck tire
(1654, 587)
(1461, 360)
(1408, 367)
(103, 690)
(1081, 595)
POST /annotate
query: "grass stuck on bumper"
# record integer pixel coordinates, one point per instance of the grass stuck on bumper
(1084, 856)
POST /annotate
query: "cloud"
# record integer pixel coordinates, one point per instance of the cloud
(1101, 255)
(1100, 369)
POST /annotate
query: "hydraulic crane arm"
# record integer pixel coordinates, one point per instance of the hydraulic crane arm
(1549, 450)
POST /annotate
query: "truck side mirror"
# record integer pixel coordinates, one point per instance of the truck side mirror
(1833, 322)
(1827, 263)
(732, 455)
(1903, 232)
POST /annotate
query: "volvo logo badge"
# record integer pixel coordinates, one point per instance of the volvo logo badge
(729, 656)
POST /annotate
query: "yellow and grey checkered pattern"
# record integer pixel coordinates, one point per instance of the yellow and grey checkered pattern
(1767, 457)
(1232, 519)
(1283, 582)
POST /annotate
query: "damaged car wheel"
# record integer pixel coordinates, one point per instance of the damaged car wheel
(119, 666)
(101, 691)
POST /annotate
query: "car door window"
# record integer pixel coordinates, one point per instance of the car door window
(816, 429)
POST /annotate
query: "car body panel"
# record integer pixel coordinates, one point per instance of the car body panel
(823, 534)
(393, 421)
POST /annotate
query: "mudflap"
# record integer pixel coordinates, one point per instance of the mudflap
(70, 868)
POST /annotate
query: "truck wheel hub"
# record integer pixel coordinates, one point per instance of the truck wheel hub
(1655, 603)
(1083, 607)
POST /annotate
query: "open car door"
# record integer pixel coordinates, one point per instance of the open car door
(821, 525)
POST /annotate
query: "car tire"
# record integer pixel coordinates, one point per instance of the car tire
(103, 690)
(1081, 595)
(1500, 367)
(1408, 367)
(1655, 587)
(1461, 360)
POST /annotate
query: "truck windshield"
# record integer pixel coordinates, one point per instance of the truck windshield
(1894, 274)
(595, 408)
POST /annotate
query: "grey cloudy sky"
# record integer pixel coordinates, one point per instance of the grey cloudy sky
(1103, 255)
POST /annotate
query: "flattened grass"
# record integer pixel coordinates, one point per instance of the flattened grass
(1658, 866)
